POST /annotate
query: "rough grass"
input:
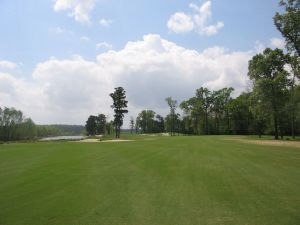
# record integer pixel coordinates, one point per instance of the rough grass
(154, 180)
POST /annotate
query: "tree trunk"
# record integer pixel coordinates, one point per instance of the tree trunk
(293, 109)
(228, 122)
(197, 124)
(217, 124)
(276, 125)
(116, 128)
(206, 122)
(293, 126)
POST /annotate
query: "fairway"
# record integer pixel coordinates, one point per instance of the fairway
(153, 180)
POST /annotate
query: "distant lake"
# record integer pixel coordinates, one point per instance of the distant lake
(57, 138)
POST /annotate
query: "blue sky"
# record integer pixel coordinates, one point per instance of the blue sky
(26, 27)
(50, 32)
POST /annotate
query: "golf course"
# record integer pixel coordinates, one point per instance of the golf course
(151, 180)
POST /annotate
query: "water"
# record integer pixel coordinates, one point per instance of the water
(58, 138)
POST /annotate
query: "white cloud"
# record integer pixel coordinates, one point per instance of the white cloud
(69, 90)
(180, 23)
(84, 38)
(105, 22)
(198, 21)
(259, 47)
(8, 65)
(79, 9)
(277, 43)
(21, 94)
(212, 29)
(103, 45)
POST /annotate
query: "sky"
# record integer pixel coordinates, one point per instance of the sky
(60, 59)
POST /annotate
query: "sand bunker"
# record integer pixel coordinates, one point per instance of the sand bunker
(117, 140)
(94, 140)
(89, 140)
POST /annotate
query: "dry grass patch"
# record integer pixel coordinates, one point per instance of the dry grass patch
(295, 144)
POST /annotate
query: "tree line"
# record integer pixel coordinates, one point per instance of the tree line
(15, 126)
(214, 112)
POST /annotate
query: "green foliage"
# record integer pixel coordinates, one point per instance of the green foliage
(119, 105)
(159, 124)
(96, 125)
(48, 131)
(149, 122)
(241, 115)
(267, 71)
(101, 124)
(69, 129)
(170, 122)
(204, 98)
(131, 125)
(260, 112)
(288, 23)
(208, 112)
(109, 127)
(14, 126)
(58, 130)
(91, 125)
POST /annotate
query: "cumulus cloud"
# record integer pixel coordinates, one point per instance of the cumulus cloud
(8, 65)
(103, 45)
(19, 93)
(85, 38)
(198, 20)
(105, 22)
(79, 9)
(180, 23)
(69, 90)
(277, 43)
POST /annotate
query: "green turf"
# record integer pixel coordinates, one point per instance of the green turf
(154, 180)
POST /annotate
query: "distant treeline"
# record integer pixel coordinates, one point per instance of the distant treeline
(15, 126)
(69, 129)
(217, 112)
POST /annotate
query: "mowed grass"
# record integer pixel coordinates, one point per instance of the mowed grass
(154, 180)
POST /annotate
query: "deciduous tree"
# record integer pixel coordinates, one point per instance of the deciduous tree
(288, 23)
(173, 105)
(270, 80)
(91, 125)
